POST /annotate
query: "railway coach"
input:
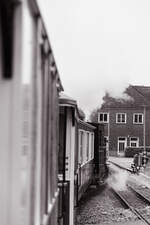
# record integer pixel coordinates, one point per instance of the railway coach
(80, 157)
(29, 88)
(85, 169)
(76, 152)
(100, 152)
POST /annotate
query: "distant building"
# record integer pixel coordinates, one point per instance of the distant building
(127, 121)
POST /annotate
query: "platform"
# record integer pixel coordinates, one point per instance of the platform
(123, 162)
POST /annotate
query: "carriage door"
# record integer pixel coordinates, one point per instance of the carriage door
(122, 143)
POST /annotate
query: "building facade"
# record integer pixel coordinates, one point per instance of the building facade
(127, 121)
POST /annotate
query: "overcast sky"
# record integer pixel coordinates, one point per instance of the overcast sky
(99, 45)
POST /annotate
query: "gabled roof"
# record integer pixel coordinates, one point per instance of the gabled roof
(137, 96)
(143, 90)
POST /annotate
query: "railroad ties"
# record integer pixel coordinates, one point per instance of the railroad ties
(135, 202)
(134, 196)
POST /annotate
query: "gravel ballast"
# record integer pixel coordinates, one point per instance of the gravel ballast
(100, 206)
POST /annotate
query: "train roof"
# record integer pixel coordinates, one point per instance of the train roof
(86, 124)
(36, 8)
(65, 100)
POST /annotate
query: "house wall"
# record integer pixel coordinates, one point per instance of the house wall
(147, 128)
(115, 130)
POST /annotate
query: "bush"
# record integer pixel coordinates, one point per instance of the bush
(130, 152)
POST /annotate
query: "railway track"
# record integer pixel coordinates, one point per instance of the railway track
(134, 182)
(134, 201)
(140, 188)
(140, 194)
(136, 197)
(121, 167)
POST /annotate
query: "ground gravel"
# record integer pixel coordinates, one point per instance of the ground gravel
(100, 206)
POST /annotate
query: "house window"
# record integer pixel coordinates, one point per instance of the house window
(121, 138)
(138, 118)
(121, 118)
(134, 142)
(103, 118)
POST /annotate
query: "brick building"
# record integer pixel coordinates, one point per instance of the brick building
(127, 121)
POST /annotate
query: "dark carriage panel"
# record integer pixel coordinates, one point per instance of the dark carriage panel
(100, 154)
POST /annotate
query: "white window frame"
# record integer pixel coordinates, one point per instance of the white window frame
(92, 146)
(121, 118)
(138, 114)
(87, 145)
(103, 120)
(81, 147)
(133, 141)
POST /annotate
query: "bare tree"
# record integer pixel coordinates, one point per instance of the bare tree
(81, 114)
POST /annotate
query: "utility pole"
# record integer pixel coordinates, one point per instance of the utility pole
(108, 132)
(144, 141)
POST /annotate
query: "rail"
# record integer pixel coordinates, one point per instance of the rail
(121, 167)
(140, 195)
(127, 205)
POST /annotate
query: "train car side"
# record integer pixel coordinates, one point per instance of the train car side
(67, 137)
(29, 87)
(100, 152)
(76, 158)
(41, 181)
(85, 151)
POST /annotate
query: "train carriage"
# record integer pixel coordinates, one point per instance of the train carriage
(66, 165)
(85, 156)
(29, 88)
(42, 136)
(100, 152)
(76, 158)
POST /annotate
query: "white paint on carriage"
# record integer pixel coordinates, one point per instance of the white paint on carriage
(70, 159)
(27, 45)
(10, 133)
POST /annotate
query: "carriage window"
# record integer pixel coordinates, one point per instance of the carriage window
(87, 146)
(6, 18)
(103, 118)
(92, 146)
(121, 118)
(138, 118)
(81, 139)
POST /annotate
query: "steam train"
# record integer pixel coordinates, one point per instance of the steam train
(48, 155)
